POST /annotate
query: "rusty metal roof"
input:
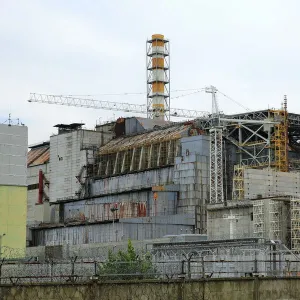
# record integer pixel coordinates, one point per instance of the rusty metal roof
(38, 156)
(144, 139)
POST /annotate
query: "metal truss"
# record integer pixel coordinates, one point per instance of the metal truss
(153, 53)
(293, 119)
(112, 106)
(275, 220)
(216, 166)
(259, 218)
(238, 183)
(295, 224)
(253, 141)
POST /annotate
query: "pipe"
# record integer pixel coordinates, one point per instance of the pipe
(41, 187)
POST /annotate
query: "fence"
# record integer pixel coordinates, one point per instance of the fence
(75, 270)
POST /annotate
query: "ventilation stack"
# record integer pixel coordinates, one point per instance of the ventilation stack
(158, 78)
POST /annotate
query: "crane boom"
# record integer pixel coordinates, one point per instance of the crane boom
(108, 105)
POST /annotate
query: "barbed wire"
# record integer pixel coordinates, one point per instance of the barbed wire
(71, 267)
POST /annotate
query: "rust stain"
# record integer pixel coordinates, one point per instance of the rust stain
(38, 156)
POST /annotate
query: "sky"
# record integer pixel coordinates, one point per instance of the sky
(249, 50)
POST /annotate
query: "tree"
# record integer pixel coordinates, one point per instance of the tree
(127, 265)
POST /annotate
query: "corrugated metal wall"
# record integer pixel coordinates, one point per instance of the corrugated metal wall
(129, 205)
(137, 229)
(129, 182)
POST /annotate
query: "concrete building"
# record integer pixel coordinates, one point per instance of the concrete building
(13, 190)
(38, 173)
(138, 179)
(144, 179)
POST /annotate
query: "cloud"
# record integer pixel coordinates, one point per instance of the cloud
(248, 49)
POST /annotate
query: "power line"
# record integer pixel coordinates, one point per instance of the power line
(236, 102)
(184, 95)
(129, 93)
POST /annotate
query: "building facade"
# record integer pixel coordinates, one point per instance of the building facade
(13, 189)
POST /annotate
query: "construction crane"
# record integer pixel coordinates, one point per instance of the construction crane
(108, 105)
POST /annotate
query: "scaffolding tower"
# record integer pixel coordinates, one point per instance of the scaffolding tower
(238, 183)
(259, 218)
(275, 220)
(295, 224)
(216, 166)
(280, 138)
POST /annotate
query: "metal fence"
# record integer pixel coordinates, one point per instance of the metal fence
(75, 270)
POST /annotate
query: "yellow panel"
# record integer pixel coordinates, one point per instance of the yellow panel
(13, 207)
(157, 40)
(158, 87)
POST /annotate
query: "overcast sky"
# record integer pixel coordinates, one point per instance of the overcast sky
(248, 49)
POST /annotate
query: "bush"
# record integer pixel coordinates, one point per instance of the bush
(127, 265)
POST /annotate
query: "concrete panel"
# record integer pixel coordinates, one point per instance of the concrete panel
(13, 155)
(13, 209)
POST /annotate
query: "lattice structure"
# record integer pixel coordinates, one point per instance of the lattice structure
(259, 218)
(275, 219)
(216, 166)
(295, 224)
(158, 77)
(280, 139)
(238, 183)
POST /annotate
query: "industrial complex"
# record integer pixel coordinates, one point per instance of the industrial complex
(212, 177)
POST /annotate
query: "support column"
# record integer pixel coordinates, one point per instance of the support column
(132, 160)
(150, 156)
(124, 162)
(158, 155)
(142, 157)
(216, 166)
(116, 163)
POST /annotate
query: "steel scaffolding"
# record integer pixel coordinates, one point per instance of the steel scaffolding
(216, 166)
(280, 141)
(259, 218)
(238, 183)
(295, 224)
(275, 220)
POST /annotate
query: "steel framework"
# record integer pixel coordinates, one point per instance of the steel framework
(259, 218)
(216, 166)
(238, 183)
(108, 105)
(158, 77)
(280, 139)
(275, 220)
(295, 224)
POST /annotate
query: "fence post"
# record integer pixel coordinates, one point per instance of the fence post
(95, 268)
(73, 260)
(255, 262)
(1, 263)
(203, 267)
(51, 269)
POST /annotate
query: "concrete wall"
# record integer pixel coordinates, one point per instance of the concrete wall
(224, 289)
(13, 153)
(13, 216)
(13, 190)
(231, 222)
(135, 229)
(129, 182)
(191, 174)
(268, 183)
(272, 221)
(67, 161)
(36, 214)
